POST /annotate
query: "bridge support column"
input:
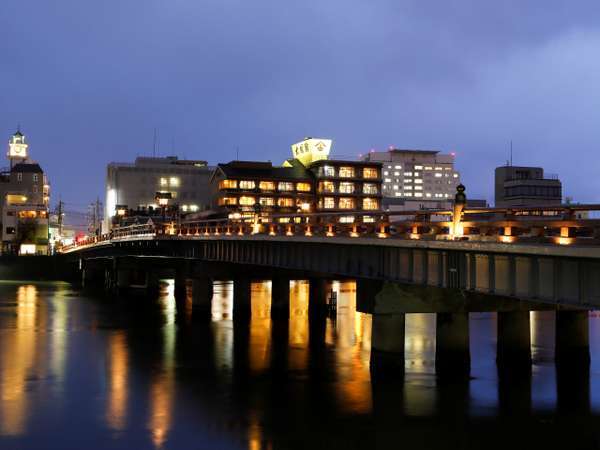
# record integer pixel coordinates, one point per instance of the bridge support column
(202, 293)
(387, 344)
(572, 337)
(452, 344)
(280, 297)
(180, 287)
(92, 277)
(317, 296)
(242, 295)
(514, 339)
(152, 285)
(366, 290)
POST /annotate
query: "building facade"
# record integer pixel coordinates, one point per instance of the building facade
(137, 185)
(523, 186)
(24, 199)
(309, 182)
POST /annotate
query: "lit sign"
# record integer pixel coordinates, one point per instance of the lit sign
(17, 148)
(310, 150)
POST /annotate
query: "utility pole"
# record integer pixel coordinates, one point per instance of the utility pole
(60, 217)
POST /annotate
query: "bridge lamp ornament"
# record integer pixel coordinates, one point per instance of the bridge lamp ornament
(460, 201)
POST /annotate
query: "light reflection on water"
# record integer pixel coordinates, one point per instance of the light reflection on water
(162, 381)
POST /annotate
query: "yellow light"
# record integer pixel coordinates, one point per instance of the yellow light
(353, 234)
(255, 228)
(415, 236)
(508, 239)
(305, 206)
(382, 235)
(564, 241)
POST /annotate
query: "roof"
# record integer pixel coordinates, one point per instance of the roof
(27, 168)
(263, 170)
(324, 162)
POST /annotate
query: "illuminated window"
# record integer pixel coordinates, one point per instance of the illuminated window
(228, 184)
(163, 182)
(418, 167)
(328, 203)
(427, 194)
(285, 186)
(247, 184)
(267, 185)
(346, 172)
(370, 172)
(174, 181)
(416, 174)
(388, 180)
(285, 202)
(266, 201)
(227, 201)
(346, 188)
(455, 175)
(346, 203)
(408, 186)
(386, 173)
(418, 188)
(326, 186)
(347, 219)
(194, 208)
(19, 176)
(371, 188)
(438, 175)
(247, 200)
(438, 168)
(370, 203)
(418, 194)
(428, 168)
(368, 219)
(408, 194)
(328, 171)
(35, 177)
(418, 181)
(303, 187)
(408, 174)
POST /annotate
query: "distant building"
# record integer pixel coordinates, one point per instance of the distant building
(24, 198)
(309, 182)
(423, 177)
(522, 186)
(136, 185)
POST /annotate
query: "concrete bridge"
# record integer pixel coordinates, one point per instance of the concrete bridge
(394, 276)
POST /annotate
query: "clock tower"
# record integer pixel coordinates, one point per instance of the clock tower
(17, 148)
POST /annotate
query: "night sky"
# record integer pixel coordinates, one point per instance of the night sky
(90, 80)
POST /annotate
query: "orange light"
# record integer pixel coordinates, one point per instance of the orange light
(415, 236)
(382, 235)
(508, 239)
(564, 240)
(353, 234)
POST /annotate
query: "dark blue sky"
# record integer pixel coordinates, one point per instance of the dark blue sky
(89, 81)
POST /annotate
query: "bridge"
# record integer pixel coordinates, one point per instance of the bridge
(510, 261)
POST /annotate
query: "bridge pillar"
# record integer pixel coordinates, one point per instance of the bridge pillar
(152, 284)
(92, 277)
(180, 286)
(572, 337)
(387, 344)
(317, 296)
(280, 297)
(452, 344)
(242, 296)
(202, 293)
(366, 290)
(514, 339)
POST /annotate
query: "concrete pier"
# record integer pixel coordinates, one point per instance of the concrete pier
(280, 298)
(514, 339)
(572, 337)
(180, 287)
(242, 295)
(317, 296)
(387, 344)
(202, 293)
(452, 356)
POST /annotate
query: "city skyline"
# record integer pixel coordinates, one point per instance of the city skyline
(215, 79)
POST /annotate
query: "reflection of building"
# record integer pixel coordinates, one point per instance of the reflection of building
(420, 175)
(24, 197)
(521, 186)
(310, 182)
(136, 185)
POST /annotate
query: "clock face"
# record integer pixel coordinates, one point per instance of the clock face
(17, 150)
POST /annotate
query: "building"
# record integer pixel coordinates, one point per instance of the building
(24, 199)
(419, 177)
(522, 186)
(137, 185)
(309, 182)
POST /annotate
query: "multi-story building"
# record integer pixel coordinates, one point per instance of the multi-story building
(422, 176)
(137, 185)
(24, 198)
(522, 186)
(307, 183)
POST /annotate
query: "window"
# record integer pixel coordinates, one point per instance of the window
(418, 181)
(35, 177)
(10, 230)
(397, 167)
(418, 188)
(247, 184)
(428, 168)
(346, 172)
(163, 182)
(266, 201)
(368, 219)
(386, 173)
(227, 201)
(285, 186)
(35, 189)
(370, 172)
(194, 208)
(347, 219)
(408, 174)
(418, 194)
(326, 186)
(346, 203)
(455, 175)
(285, 202)
(174, 181)
(418, 167)
(371, 188)
(228, 184)
(438, 175)
(19, 176)
(328, 171)
(267, 185)
(247, 200)
(388, 180)
(303, 187)
(346, 188)
(370, 203)
(328, 203)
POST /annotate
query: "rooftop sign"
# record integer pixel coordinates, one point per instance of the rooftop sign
(311, 149)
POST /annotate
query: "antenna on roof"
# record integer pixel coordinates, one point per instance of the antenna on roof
(237, 153)
(511, 153)
(154, 143)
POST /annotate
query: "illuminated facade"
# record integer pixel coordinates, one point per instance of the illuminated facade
(137, 185)
(307, 183)
(24, 199)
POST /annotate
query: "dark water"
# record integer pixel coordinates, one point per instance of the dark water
(85, 372)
